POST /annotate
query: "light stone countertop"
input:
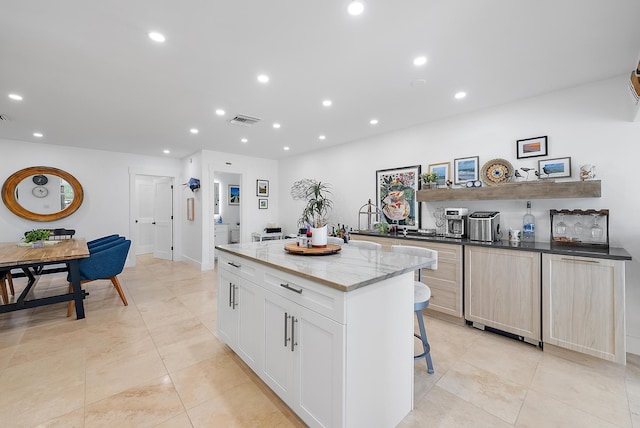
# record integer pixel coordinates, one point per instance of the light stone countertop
(347, 270)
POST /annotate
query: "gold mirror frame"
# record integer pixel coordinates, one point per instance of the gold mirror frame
(9, 193)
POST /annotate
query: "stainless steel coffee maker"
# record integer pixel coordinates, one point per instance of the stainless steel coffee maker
(456, 221)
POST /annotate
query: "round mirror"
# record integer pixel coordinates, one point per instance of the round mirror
(42, 193)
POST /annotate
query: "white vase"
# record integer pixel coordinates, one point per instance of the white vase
(319, 236)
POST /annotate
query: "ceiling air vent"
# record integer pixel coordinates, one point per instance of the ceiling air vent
(3, 117)
(244, 120)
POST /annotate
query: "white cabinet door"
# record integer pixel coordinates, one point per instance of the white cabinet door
(227, 313)
(303, 360)
(502, 290)
(583, 305)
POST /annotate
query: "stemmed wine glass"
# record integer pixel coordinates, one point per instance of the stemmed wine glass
(561, 227)
(578, 227)
(596, 229)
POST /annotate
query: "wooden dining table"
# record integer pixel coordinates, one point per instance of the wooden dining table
(32, 260)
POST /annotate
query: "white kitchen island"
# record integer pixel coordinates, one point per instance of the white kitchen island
(331, 335)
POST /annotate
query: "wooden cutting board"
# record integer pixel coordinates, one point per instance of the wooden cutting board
(312, 251)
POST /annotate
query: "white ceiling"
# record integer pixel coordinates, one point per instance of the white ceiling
(91, 77)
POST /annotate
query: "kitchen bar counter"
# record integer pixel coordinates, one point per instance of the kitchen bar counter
(611, 253)
(347, 270)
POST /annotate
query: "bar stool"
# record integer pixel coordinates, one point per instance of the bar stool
(421, 296)
(369, 245)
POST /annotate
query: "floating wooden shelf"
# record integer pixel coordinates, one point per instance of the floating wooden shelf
(522, 190)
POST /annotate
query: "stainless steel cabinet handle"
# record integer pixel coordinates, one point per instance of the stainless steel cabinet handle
(293, 333)
(286, 339)
(579, 261)
(230, 299)
(235, 303)
(288, 287)
(233, 264)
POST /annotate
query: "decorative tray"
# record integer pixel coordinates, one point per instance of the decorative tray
(312, 251)
(496, 171)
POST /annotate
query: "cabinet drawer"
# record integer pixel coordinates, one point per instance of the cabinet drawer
(238, 267)
(326, 301)
(445, 299)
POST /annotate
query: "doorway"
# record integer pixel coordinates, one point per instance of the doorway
(153, 213)
(227, 208)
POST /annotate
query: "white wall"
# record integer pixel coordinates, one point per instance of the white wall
(591, 124)
(105, 179)
(192, 231)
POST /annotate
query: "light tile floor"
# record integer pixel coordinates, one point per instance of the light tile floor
(158, 363)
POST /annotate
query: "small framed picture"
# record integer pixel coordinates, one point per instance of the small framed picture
(531, 147)
(234, 194)
(554, 168)
(190, 208)
(465, 169)
(442, 170)
(263, 204)
(262, 187)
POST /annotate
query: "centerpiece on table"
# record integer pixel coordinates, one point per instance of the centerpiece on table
(36, 237)
(317, 209)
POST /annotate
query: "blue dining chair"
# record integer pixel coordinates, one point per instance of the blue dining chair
(105, 262)
(103, 240)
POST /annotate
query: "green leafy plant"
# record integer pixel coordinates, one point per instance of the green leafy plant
(429, 177)
(318, 207)
(37, 235)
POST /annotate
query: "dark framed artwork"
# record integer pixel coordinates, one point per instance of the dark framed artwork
(234, 194)
(262, 187)
(531, 147)
(465, 169)
(263, 204)
(396, 195)
(554, 168)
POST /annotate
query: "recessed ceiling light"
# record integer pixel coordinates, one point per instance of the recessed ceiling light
(263, 78)
(285, 148)
(37, 134)
(276, 125)
(421, 60)
(194, 131)
(156, 37)
(355, 8)
(460, 95)
(373, 121)
(322, 137)
(166, 152)
(15, 97)
(327, 103)
(220, 112)
(244, 140)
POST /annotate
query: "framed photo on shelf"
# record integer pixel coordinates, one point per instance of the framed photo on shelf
(465, 169)
(442, 170)
(397, 196)
(554, 168)
(531, 147)
(234, 194)
(262, 187)
(263, 204)
(190, 209)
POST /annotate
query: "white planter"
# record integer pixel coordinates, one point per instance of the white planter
(319, 236)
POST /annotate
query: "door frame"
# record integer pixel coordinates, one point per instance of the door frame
(133, 233)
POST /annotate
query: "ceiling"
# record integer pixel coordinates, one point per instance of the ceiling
(91, 77)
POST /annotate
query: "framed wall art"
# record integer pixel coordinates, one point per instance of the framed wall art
(554, 168)
(263, 204)
(234, 194)
(262, 187)
(396, 193)
(531, 147)
(190, 209)
(442, 170)
(465, 169)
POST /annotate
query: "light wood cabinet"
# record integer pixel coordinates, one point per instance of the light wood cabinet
(502, 290)
(583, 305)
(445, 282)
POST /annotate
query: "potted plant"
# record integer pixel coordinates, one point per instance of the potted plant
(317, 208)
(36, 237)
(430, 179)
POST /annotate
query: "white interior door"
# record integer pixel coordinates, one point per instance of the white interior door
(145, 191)
(163, 219)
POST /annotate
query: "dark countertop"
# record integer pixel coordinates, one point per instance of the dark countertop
(542, 247)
